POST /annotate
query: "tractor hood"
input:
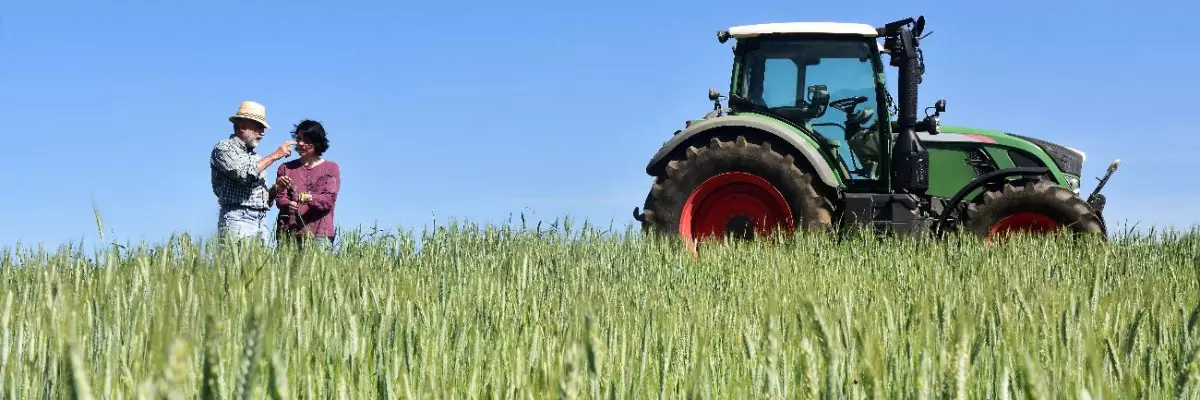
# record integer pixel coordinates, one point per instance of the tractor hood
(1067, 159)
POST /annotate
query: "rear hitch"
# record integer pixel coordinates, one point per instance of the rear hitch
(1097, 200)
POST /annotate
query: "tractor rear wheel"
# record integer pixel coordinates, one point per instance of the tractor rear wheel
(1036, 207)
(737, 189)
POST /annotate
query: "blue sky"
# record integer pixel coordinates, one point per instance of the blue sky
(482, 110)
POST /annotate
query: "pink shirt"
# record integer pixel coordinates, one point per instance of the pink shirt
(322, 182)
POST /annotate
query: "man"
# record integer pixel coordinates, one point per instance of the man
(237, 175)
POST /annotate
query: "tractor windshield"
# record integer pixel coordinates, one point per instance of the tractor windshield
(825, 85)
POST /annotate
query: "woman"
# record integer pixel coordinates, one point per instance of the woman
(308, 188)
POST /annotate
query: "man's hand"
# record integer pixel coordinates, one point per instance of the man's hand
(284, 150)
(293, 207)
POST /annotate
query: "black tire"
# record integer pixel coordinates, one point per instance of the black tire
(1043, 197)
(681, 176)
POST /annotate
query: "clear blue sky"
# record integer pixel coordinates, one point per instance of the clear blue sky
(479, 110)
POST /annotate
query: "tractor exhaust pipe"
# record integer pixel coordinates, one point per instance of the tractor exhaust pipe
(910, 160)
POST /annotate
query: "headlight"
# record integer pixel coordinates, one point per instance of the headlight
(1074, 183)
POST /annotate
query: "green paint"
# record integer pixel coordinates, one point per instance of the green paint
(948, 171)
(999, 156)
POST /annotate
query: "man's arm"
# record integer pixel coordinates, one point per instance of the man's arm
(238, 166)
(268, 160)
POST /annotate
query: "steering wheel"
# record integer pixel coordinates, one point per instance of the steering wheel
(848, 104)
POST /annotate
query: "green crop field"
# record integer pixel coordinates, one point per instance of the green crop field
(501, 312)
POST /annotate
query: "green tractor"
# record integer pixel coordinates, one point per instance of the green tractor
(808, 141)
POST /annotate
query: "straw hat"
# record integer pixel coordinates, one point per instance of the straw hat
(252, 111)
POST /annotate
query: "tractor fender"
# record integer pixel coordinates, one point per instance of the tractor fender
(978, 182)
(793, 142)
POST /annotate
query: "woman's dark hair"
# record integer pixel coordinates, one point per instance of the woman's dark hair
(312, 132)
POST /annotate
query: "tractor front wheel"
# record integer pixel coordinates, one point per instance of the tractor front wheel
(733, 189)
(1033, 207)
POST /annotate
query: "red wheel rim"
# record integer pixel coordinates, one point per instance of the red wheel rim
(731, 203)
(1023, 222)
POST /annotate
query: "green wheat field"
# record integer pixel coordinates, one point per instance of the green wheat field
(505, 312)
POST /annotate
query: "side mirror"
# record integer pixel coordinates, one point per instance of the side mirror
(932, 123)
(723, 36)
(818, 95)
(714, 94)
(938, 108)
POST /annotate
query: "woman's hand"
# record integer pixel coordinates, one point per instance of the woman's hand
(283, 182)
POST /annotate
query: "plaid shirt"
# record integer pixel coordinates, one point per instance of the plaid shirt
(236, 180)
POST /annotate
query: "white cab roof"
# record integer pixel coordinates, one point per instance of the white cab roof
(802, 27)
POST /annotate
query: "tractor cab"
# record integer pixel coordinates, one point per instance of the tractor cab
(825, 79)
